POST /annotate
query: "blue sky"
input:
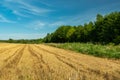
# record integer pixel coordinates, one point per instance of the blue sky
(31, 19)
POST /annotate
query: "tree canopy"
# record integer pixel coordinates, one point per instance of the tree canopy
(106, 29)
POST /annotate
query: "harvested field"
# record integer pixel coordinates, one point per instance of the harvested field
(41, 62)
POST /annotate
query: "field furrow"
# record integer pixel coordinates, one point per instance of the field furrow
(41, 69)
(8, 48)
(60, 58)
(82, 67)
(10, 66)
(42, 62)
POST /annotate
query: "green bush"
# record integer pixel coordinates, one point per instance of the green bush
(105, 51)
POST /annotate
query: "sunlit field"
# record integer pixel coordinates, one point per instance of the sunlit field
(59, 39)
(42, 62)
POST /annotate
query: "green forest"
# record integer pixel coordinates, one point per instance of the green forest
(105, 30)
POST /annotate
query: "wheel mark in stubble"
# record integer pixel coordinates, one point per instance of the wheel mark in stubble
(12, 63)
(6, 60)
(35, 71)
(13, 60)
(62, 58)
(41, 59)
(7, 49)
(41, 62)
(17, 58)
(98, 72)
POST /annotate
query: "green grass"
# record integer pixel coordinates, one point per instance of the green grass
(105, 51)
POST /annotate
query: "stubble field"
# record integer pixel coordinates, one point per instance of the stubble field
(41, 62)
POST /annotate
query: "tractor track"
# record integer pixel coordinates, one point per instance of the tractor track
(11, 63)
(7, 49)
(11, 56)
(59, 57)
(71, 62)
(42, 62)
(44, 70)
(16, 59)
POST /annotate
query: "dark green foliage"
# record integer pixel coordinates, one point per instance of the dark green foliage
(106, 29)
(10, 40)
(47, 39)
(62, 34)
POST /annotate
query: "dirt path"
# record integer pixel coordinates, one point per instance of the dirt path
(41, 62)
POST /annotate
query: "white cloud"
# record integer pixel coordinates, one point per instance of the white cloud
(23, 8)
(20, 14)
(33, 9)
(57, 23)
(22, 36)
(36, 25)
(3, 19)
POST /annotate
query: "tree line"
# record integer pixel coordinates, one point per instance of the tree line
(106, 29)
(25, 41)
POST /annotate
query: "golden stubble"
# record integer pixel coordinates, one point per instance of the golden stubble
(41, 62)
